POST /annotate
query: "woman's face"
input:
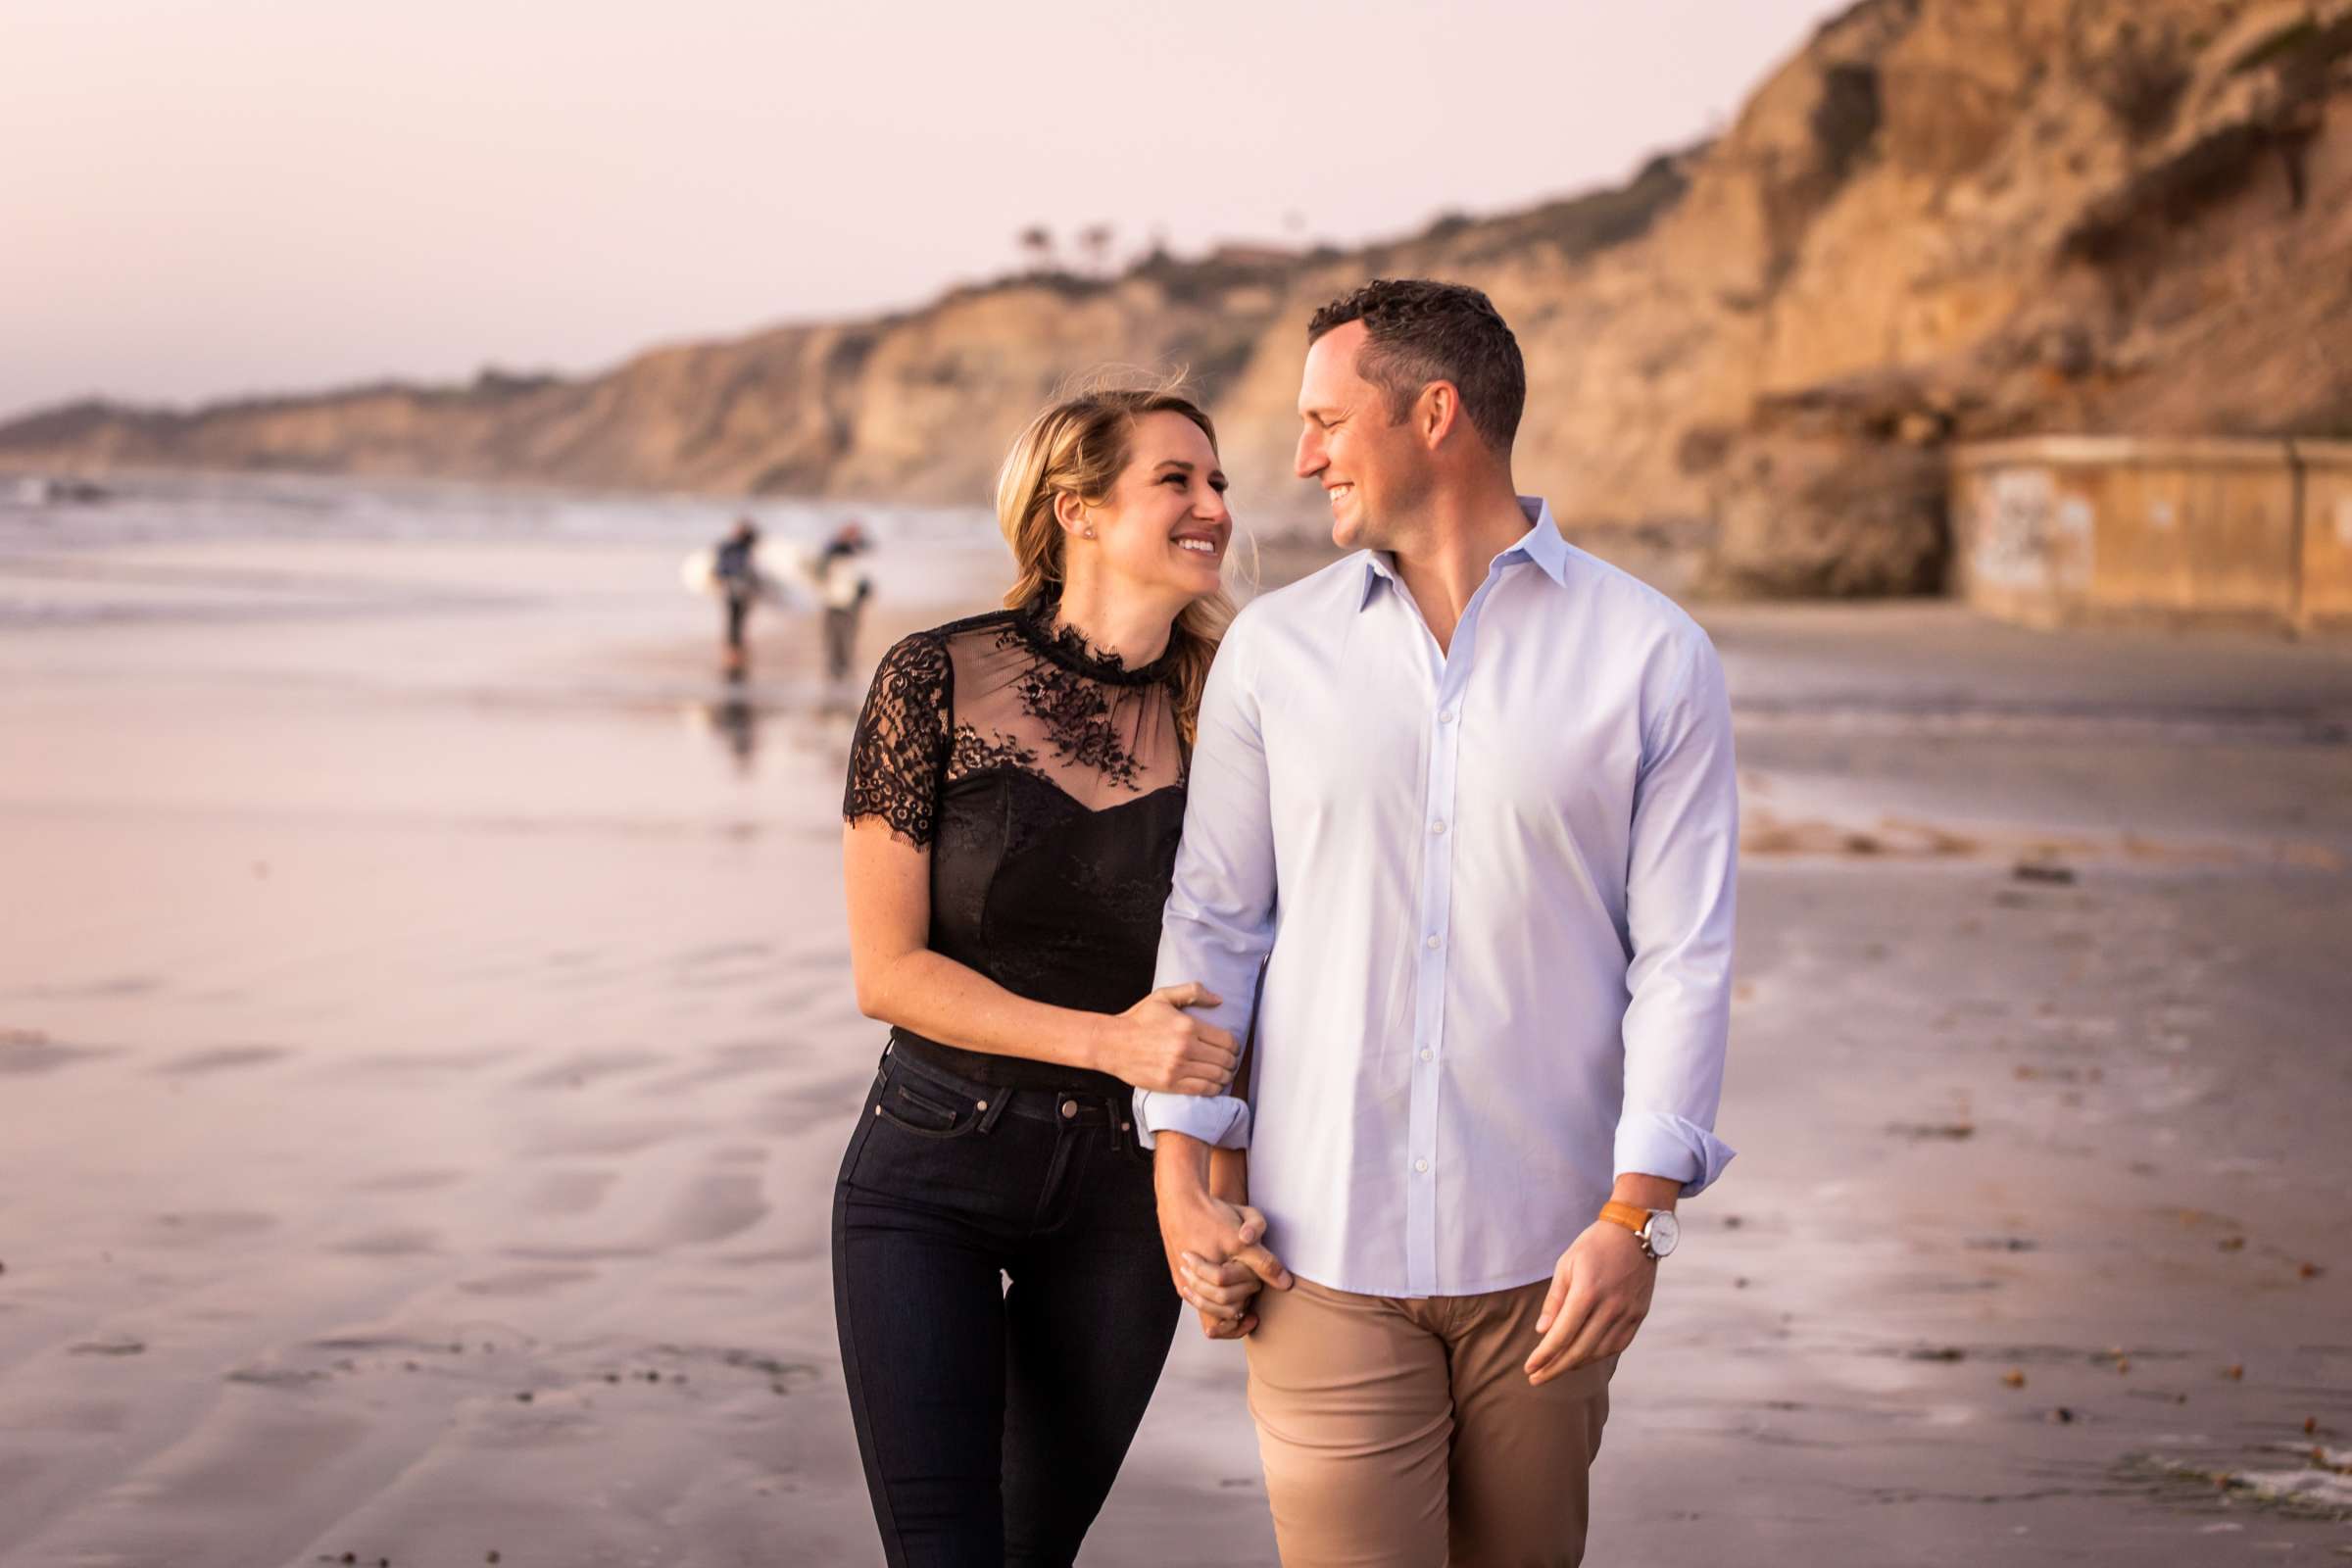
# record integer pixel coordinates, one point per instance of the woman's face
(1164, 525)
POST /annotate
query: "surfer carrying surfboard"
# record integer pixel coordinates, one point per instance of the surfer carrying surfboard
(844, 588)
(736, 576)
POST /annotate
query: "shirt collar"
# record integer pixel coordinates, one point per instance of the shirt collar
(1541, 544)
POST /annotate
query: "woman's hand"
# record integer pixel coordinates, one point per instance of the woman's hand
(1157, 1045)
(1223, 1294)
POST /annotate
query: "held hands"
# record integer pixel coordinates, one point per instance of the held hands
(1218, 1258)
(1157, 1045)
(1600, 1295)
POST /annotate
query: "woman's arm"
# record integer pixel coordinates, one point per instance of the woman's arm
(1153, 1044)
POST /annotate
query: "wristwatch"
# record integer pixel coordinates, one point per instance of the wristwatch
(1655, 1228)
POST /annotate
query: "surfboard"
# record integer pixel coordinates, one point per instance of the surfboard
(776, 565)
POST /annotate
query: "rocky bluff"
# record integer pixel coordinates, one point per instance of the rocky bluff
(1943, 220)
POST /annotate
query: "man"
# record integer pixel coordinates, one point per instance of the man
(844, 590)
(736, 569)
(1468, 798)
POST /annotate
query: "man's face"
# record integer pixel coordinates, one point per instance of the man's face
(1375, 472)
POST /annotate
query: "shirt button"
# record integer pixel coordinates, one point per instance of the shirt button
(1428, 1055)
(1445, 716)
(1421, 1165)
(1438, 826)
(1435, 943)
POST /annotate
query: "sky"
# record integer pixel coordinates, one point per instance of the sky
(204, 198)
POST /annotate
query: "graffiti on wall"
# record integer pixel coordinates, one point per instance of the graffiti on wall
(2027, 536)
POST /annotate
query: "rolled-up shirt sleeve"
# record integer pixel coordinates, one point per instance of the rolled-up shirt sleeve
(1679, 881)
(1219, 923)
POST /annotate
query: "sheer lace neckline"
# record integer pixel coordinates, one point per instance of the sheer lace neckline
(1065, 646)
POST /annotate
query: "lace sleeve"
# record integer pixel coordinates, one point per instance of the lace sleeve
(899, 751)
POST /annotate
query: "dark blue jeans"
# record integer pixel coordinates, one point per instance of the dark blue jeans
(1004, 1310)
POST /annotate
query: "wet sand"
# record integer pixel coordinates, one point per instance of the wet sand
(426, 1045)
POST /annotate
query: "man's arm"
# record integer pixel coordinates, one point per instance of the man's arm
(1680, 879)
(1219, 922)
(1678, 904)
(1217, 931)
(1229, 1182)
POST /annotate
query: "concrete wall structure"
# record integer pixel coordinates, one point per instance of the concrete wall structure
(2327, 473)
(2060, 530)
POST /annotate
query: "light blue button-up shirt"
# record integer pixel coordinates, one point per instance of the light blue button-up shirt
(1490, 890)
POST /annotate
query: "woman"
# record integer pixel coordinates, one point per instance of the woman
(1015, 793)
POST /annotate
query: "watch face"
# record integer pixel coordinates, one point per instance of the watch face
(1664, 1232)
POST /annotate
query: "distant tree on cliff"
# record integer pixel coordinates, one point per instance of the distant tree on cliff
(1037, 243)
(1095, 239)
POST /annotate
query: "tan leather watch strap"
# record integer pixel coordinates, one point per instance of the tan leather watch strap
(1632, 1217)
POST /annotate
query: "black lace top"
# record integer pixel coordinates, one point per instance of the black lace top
(1047, 782)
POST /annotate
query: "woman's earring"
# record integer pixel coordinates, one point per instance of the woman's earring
(1089, 530)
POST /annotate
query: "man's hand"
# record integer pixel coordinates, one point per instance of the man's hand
(1600, 1295)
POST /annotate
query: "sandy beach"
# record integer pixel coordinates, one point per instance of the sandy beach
(426, 1045)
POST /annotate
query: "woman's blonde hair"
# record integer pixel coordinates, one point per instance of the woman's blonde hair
(1077, 447)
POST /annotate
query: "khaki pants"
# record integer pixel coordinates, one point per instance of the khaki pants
(1403, 1434)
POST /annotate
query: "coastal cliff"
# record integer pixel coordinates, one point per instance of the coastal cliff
(1940, 220)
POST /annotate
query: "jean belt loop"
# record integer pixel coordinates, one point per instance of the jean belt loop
(998, 1099)
(1122, 1118)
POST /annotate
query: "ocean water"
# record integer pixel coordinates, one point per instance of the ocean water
(70, 560)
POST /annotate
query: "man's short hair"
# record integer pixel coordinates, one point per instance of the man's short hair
(1420, 332)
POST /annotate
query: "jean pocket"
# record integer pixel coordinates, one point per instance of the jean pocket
(924, 1110)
